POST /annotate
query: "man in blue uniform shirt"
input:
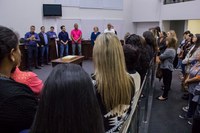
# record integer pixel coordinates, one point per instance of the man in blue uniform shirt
(32, 40)
(52, 44)
(51, 33)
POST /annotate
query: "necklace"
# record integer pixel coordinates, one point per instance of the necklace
(3, 76)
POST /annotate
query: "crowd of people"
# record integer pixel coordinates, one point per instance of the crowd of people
(189, 57)
(38, 45)
(185, 56)
(73, 101)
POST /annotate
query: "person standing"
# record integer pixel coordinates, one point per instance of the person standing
(51, 33)
(166, 60)
(32, 40)
(112, 27)
(52, 44)
(161, 42)
(64, 39)
(94, 35)
(114, 87)
(43, 47)
(109, 29)
(76, 36)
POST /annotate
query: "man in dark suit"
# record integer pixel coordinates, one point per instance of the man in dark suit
(43, 47)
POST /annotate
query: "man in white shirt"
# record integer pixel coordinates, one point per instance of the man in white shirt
(109, 29)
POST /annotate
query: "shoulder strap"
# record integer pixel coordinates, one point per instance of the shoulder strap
(197, 71)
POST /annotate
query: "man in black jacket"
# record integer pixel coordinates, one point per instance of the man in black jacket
(43, 47)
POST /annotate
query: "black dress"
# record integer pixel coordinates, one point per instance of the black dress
(17, 106)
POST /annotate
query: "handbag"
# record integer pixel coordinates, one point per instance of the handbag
(159, 73)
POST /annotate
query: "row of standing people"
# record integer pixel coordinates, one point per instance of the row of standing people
(35, 42)
(38, 44)
(188, 55)
(76, 37)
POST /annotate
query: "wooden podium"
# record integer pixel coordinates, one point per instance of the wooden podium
(52, 49)
(68, 59)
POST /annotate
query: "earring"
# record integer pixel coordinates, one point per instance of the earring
(13, 59)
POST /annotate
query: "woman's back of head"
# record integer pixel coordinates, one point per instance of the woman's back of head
(172, 33)
(113, 82)
(149, 38)
(171, 42)
(68, 103)
(132, 56)
(135, 40)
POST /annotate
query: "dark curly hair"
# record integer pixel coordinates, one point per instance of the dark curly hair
(132, 55)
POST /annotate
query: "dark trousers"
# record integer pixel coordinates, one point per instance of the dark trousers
(183, 68)
(196, 125)
(196, 121)
(167, 79)
(44, 51)
(192, 106)
(32, 55)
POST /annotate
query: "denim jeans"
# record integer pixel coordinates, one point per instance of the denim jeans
(179, 64)
(44, 51)
(74, 48)
(62, 48)
(183, 68)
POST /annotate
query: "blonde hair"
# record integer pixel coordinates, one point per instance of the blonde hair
(171, 42)
(172, 34)
(113, 82)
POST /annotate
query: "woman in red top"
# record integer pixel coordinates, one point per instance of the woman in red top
(28, 78)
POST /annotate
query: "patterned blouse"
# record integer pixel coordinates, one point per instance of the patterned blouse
(113, 121)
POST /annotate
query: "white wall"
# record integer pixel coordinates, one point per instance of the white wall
(21, 14)
(165, 26)
(146, 10)
(181, 11)
(88, 18)
(144, 26)
(155, 10)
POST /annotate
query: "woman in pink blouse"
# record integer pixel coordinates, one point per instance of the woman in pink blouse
(28, 78)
